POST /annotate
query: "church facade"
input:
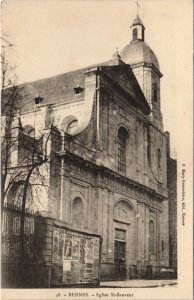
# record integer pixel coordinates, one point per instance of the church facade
(108, 164)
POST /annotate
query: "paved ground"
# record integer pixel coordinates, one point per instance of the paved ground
(138, 283)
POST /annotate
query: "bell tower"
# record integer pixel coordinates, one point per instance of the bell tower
(137, 30)
(146, 69)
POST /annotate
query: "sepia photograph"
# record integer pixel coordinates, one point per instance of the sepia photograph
(96, 149)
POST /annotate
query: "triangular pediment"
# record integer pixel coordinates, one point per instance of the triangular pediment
(123, 78)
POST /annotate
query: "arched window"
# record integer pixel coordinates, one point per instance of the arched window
(78, 218)
(15, 196)
(71, 126)
(155, 92)
(15, 219)
(123, 212)
(151, 236)
(29, 130)
(159, 158)
(135, 34)
(121, 150)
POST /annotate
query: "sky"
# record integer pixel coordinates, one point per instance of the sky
(56, 36)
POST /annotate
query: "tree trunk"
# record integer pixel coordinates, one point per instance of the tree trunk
(22, 224)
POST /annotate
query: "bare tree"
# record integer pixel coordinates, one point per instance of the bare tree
(10, 96)
(31, 150)
(25, 157)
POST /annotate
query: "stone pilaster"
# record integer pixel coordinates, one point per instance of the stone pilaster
(105, 221)
(66, 201)
(110, 225)
(141, 236)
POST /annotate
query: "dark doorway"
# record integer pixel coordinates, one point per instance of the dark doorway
(120, 260)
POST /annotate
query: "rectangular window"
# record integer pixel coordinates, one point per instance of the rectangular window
(120, 234)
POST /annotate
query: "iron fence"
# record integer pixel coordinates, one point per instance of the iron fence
(17, 232)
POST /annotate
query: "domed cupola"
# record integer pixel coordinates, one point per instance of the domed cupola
(139, 52)
(145, 66)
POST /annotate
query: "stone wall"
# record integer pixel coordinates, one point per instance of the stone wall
(37, 268)
(100, 190)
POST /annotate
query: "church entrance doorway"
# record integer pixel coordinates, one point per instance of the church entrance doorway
(120, 259)
(124, 239)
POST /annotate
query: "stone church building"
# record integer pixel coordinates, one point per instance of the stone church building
(109, 157)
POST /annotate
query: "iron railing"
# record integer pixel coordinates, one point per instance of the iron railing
(17, 232)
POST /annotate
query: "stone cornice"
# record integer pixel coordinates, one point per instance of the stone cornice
(152, 66)
(62, 224)
(100, 169)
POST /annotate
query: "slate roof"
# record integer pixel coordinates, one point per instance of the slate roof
(60, 88)
(55, 89)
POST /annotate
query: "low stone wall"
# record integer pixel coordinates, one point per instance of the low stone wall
(48, 262)
(75, 257)
(25, 275)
